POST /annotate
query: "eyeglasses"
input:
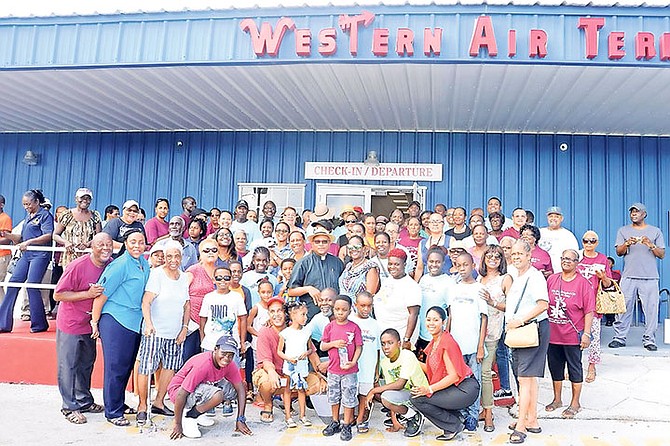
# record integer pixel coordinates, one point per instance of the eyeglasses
(436, 222)
(590, 240)
(350, 221)
(321, 241)
(354, 247)
(220, 278)
(209, 250)
(492, 256)
(281, 231)
(567, 259)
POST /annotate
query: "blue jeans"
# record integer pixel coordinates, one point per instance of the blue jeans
(30, 268)
(76, 356)
(502, 360)
(476, 367)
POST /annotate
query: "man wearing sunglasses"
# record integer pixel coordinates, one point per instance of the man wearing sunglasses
(640, 245)
(316, 271)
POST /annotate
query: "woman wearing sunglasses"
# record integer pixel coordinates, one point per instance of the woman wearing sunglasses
(360, 274)
(595, 268)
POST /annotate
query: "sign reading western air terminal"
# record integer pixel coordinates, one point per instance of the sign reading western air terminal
(383, 171)
(489, 37)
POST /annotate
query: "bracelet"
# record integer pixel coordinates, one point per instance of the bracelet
(94, 322)
(184, 326)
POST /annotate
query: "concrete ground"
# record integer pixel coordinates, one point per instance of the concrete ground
(628, 404)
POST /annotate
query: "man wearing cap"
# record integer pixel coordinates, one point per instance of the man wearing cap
(189, 255)
(188, 204)
(249, 227)
(5, 254)
(204, 382)
(555, 239)
(315, 271)
(268, 375)
(640, 245)
(118, 227)
(75, 349)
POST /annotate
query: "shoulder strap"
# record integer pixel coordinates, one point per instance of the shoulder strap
(521, 297)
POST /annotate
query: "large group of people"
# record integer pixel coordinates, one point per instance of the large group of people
(409, 310)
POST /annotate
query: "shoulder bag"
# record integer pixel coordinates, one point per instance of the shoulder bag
(525, 336)
(610, 301)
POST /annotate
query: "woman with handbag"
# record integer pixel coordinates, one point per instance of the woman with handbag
(571, 307)
(526, 309)
(595, 268)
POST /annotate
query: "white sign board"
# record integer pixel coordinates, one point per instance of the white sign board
(380, 172)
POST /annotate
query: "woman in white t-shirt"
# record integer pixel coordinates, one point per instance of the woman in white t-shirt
(166, 310)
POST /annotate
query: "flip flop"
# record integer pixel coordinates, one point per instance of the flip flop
(119, 421)
(517, 437)
(129, 410)
(570, 412)
(267, 416)
(590, 376)
(553, 406)
(74, 416)
(532, 430)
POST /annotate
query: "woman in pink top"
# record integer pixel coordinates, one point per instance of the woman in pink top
(451, 387)
(539, 258)
(157, 227)
(201, 281)
(595, 268)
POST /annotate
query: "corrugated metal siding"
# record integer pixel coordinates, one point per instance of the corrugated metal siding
(216, 37)
(593, 181)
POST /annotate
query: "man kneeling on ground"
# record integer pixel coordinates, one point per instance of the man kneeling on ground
(268, 377)
(206, 380)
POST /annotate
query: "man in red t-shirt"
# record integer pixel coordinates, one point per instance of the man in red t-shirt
(204, 382)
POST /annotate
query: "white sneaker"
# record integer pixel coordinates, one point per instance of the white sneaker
(205, 421)
(189, 427)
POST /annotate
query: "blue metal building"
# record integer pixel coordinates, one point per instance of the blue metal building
(539, 105)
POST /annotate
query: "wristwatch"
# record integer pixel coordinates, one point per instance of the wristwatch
(405, 339)
(242, 419)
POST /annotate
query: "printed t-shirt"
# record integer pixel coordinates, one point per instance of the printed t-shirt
(392, 301)
(370, 333)
(541, 260)
(201, 369)
(406, 366)
(221, 312)
(74, 317)
(568, 302)
(435, 292)
(349, 332)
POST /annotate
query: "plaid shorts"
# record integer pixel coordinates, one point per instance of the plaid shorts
(155, 351)
(344, 389)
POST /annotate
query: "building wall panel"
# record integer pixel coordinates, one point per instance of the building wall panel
(593, 181)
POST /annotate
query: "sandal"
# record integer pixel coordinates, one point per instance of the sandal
(363, 428)
(553, 406)
(532, 430)
(141, 418)
(120, 421)
(250, 396)
(267, 416)
(517, 437)
(590, 376)
(570, 412)
(94, 408)
(129, 410)
(74, 416)
(25, 317)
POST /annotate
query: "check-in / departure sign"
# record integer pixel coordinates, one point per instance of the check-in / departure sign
(380, 172)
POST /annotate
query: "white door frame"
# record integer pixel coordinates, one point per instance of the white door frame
(367, 191)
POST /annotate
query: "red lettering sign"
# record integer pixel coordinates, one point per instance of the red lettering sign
(483, 37)
(380, 41)
(350, 25)
(615, 45)
(265, 40)
(537, 43)
(303, 42)
(664, 46)
(432, 41)
(327, 41)
(404, 42)
(511, 43)
(591, 25)
(644, 46)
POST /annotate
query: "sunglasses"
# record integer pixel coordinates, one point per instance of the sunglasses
(281, 231)
(567, 259)
(350, 221)
(209, 250)
(590, 240)
(220, 278)
(354, 247)
(321, 242)
(492, 256)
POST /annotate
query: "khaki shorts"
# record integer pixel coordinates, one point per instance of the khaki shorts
(260, 377)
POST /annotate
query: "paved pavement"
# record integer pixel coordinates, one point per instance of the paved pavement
(627, 405)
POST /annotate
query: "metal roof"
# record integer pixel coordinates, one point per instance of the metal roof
(41, 8)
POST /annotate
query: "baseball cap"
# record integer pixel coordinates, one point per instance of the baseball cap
(639, 206)
(199, 211)
(227, 344)
(131, 203)
(358, 209)
(275, 299)
(554, 210)
(242, 203)
(83, 191)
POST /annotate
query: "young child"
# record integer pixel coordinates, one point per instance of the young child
(258, 316)
(294, 347)
(343, 341)
(367, 365)
(402, 371)
(281, 290)
(467, 322)
(223, 313)
(260, 260)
